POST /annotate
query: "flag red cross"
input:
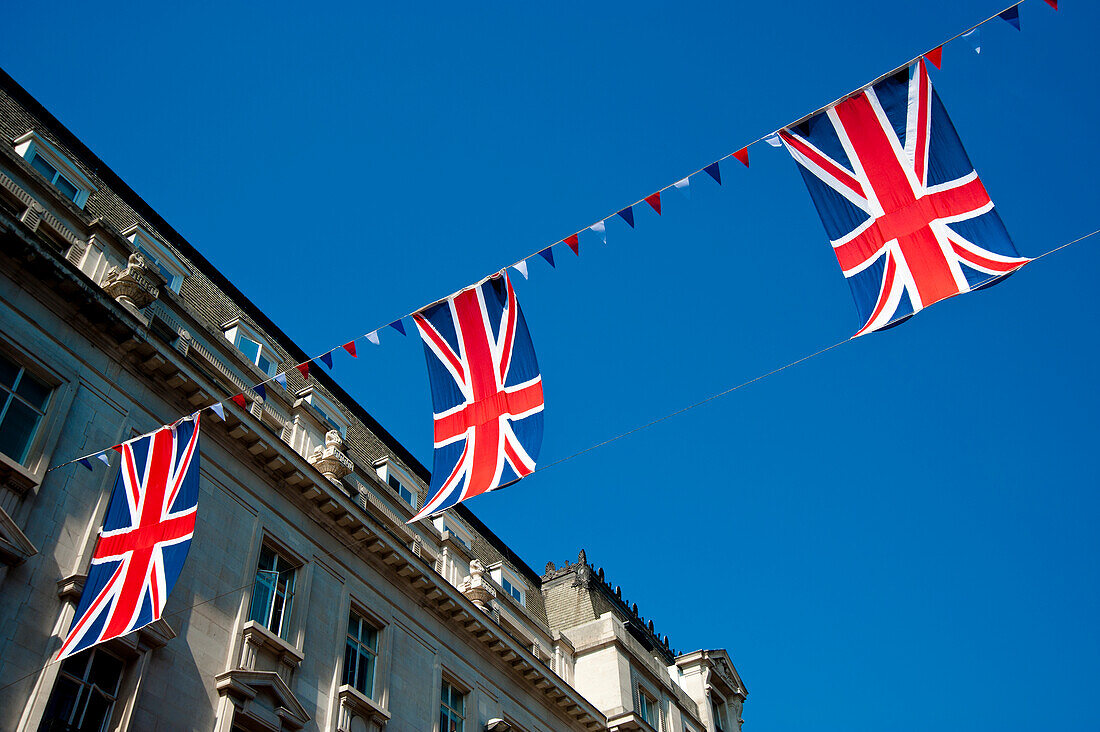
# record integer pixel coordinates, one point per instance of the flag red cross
(907, 217)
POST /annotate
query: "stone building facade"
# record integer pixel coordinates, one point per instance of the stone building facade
(306, 602)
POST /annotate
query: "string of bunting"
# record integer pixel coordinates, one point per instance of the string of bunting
(598, 229)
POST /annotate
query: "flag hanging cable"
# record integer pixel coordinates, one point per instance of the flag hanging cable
(710, 168)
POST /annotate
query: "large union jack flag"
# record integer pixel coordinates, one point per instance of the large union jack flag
(145, 537)
(486, 392)
(910, 222)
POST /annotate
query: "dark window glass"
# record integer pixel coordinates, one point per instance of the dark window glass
(23, 402)
(360, 653)
(272, 592)
(85, 693)
(47, 170)
(452, 709)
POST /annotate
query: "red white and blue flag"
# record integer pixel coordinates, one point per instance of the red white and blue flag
(486, 392)
(909, 219)
(145, 536)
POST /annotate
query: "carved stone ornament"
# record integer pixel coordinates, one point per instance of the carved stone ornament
(136, 285)
(330, 459)
(474, 586)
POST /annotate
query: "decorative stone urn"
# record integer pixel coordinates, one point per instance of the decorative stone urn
(136, 285)
(330, 459)
(474, 586)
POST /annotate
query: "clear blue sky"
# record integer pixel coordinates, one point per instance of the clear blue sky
(899, 535)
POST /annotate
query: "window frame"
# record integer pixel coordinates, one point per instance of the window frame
(31, 144)
(502, 574)
(85, 687)
(235, 329)
(448, 681)
(161, 256)
(286, 615)
(330, 414)
(8, 396)
(457, 531)
(23, 475)
(385, 468)
(649, 708)
(365, 619)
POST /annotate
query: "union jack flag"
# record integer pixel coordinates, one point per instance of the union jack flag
(486, 392)
(144, 539)
(909, 219)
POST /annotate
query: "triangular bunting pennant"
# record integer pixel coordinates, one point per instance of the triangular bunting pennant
(573, 242)
(303, 369)
(600, 229)
(398, 326)
(1053, 4)
(773, 140)
(743, 156)
(239, 400)
(373, 337)
(85, 463)
(261, 391)
(714, 172)
(935, 56)
(628, 215)
(684, 186)
(548, 255)
(350, 348)
(104, 459)
(654, 201)
(219, 410)
(1011, 16)
(117, 448)
(975, 38)
(326, 359)
(280, 379)
(521, 267)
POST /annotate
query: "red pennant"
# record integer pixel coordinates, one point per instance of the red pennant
(350, 348)
(574, 244)
(239, 400)
(117, 448)
(655, 202)
(743, 156)
(1053, 4)
(303, 369)
(935, 56)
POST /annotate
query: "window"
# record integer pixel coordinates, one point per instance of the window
(85, 693)
(327, 410)
(360, 654)
(510, 583)
(716, 710)
(159, 256)
(399, 487)
(452, 709)
(647, 708)
(273, 592)
(23, 401)
(54, 167)
(252, 346)
(458, 533)
(512, 590)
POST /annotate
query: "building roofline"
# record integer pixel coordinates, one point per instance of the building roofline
(143, 209)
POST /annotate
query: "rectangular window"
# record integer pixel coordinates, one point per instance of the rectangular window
(85, 693)
(360, 654)
(512, 590)
(452, 709)
(23, 402)
(647, 708)
(273, 592)
(399, 487)
(55, 178)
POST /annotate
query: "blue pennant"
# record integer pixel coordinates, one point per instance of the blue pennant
(326, 359)
(261, 391)
(714, 172)
(1012, 16)
(398, 326)
(628, 215)
(548, 255)
(85, 463)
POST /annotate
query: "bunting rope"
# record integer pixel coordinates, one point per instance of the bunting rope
(712, 169)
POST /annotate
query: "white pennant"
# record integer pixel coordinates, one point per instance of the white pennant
(975, 38)
(683, 186)
(773, 140)
(373, 337)
(601, 229)
(106, 460)
(521, 267)
(218, 409)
